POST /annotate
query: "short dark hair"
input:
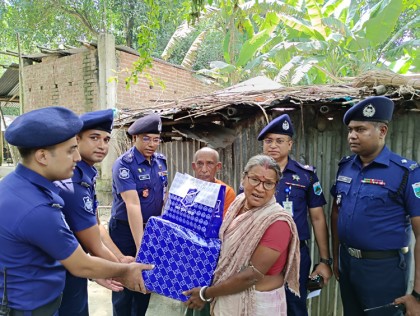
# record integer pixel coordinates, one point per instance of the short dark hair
(26, 152)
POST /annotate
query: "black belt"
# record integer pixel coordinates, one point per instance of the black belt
(375, 254)
(48, 309)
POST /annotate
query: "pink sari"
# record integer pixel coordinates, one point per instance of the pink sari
(240, 237)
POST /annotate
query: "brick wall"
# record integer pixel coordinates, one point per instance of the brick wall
(72, 81)
(178, 83)
(69, 81)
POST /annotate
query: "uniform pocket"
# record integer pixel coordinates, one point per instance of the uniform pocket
(374, 199)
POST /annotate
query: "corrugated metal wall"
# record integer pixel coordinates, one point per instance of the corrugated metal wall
(323, 149)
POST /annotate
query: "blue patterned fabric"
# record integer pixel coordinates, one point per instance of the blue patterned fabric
(182, 258)
(196, 204)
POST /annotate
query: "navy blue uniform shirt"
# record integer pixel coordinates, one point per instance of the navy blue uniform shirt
(301, 186)
(33, 237)
(132, 171)
(79, 196)
(373, 202)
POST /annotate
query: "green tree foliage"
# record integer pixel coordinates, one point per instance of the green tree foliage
(143, 25)
(315, 41)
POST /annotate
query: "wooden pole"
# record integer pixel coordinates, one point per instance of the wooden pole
(21, 93)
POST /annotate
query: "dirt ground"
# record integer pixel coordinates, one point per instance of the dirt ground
(99, 300)
(99, 297)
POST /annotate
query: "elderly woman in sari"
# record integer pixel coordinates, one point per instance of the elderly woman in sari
(259, 252)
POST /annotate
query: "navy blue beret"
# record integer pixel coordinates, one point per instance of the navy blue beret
(101, 120)
(376, 109)
(280, 125)
(43, 127)
(147, 124)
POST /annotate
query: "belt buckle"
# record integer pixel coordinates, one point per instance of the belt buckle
(404, 250)
(355, 252)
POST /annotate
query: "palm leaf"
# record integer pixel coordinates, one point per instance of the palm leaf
(315, 17)
(302, 70)
(338, 26)
(287, 70)
(191, 55)
(383, 21)
(183, 31)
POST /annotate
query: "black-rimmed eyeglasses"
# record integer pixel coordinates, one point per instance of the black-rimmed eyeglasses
(267, 185)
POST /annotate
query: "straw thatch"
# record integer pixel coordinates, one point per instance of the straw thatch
(386, 78)
(226, 108)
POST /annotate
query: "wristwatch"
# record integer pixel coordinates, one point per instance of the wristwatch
(416, 295)
(328, 261)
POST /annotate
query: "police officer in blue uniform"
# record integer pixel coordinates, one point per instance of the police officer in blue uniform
(35, 240)
(376, 196)
(298, 191)
(139, 184)
(81, 212)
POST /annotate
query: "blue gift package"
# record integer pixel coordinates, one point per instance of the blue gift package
(196, 204)
(183, 259)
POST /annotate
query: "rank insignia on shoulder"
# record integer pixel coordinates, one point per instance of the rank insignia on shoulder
(414, 166)
(344, 159)
(128, 157)
(404, 160)
(416, 189)
(317, 188)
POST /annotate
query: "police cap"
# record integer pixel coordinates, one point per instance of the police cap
(375, 109)
(147, 124)
(280, 125)
(43, 127)
(101, 120)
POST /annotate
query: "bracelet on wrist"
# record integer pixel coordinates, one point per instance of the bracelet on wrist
(416, 295)
(326, 261)
(202, 294)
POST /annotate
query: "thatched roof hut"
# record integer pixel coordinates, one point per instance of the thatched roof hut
(219, 112)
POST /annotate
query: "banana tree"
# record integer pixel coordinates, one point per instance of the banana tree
(316, 42)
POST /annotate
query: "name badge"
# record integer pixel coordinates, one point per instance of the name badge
(288, 207)
(144, 177)
(344, 179)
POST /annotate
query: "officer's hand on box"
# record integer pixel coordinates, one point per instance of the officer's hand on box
(126, 259)
(411, 302)
(110, 284)
(132, 278)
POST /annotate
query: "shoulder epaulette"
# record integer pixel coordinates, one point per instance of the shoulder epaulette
(345, 159)
(160, 156)
(404, 162)
(306, 167)
(128, 156)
